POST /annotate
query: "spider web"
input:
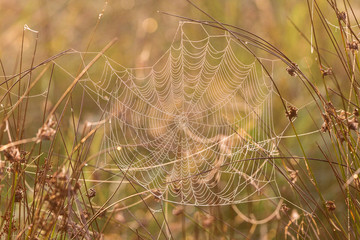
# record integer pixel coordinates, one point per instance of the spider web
(195, 128)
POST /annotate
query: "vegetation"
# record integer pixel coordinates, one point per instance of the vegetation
(62, 179)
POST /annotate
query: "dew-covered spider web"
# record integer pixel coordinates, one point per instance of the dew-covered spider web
(196, 127)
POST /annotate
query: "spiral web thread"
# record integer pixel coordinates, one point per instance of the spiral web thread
(197, 127)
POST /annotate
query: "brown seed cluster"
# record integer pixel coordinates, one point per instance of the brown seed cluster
(291, 112)
(341, 119)
(19, 193)
(91, 193)
(284, 208)
(351, 123)
(325, 127)
(47, 131)
(292, 69)
(293, 175)
(330, 205)
(353, 46)
(14, 155)
(326, 72)
(342, 16)
(7, 220)
(60, 191)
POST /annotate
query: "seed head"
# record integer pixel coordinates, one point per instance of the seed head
(330, 205)
(19, 193)
(326, 72)
(342, 16)
(293, 175)
(353, 46)
(284, 208)
(13, 154)
(47, 131)
(291, 112)
(91, 193)
(292, 69)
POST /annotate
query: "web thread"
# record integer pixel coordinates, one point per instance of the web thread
(195, 128)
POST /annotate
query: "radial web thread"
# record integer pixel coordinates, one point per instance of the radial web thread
(197, 127)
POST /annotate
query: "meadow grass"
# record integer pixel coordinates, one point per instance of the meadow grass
(53, 187)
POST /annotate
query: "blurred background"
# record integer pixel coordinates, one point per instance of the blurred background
(144, 34)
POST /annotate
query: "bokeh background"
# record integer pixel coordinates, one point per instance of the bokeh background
(141, 30)
(144, 33)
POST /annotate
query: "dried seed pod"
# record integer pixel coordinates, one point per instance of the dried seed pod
(293, 175)
(342, 16)
(356, 112)
(13, 154)
(326, 125)
(291, 112)
(284, 208)
(292, 69)
(19, 193)
(353, 124)
(330, 205)
(326, 72)
(47, 131)
(91, 193)
(353, 46)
